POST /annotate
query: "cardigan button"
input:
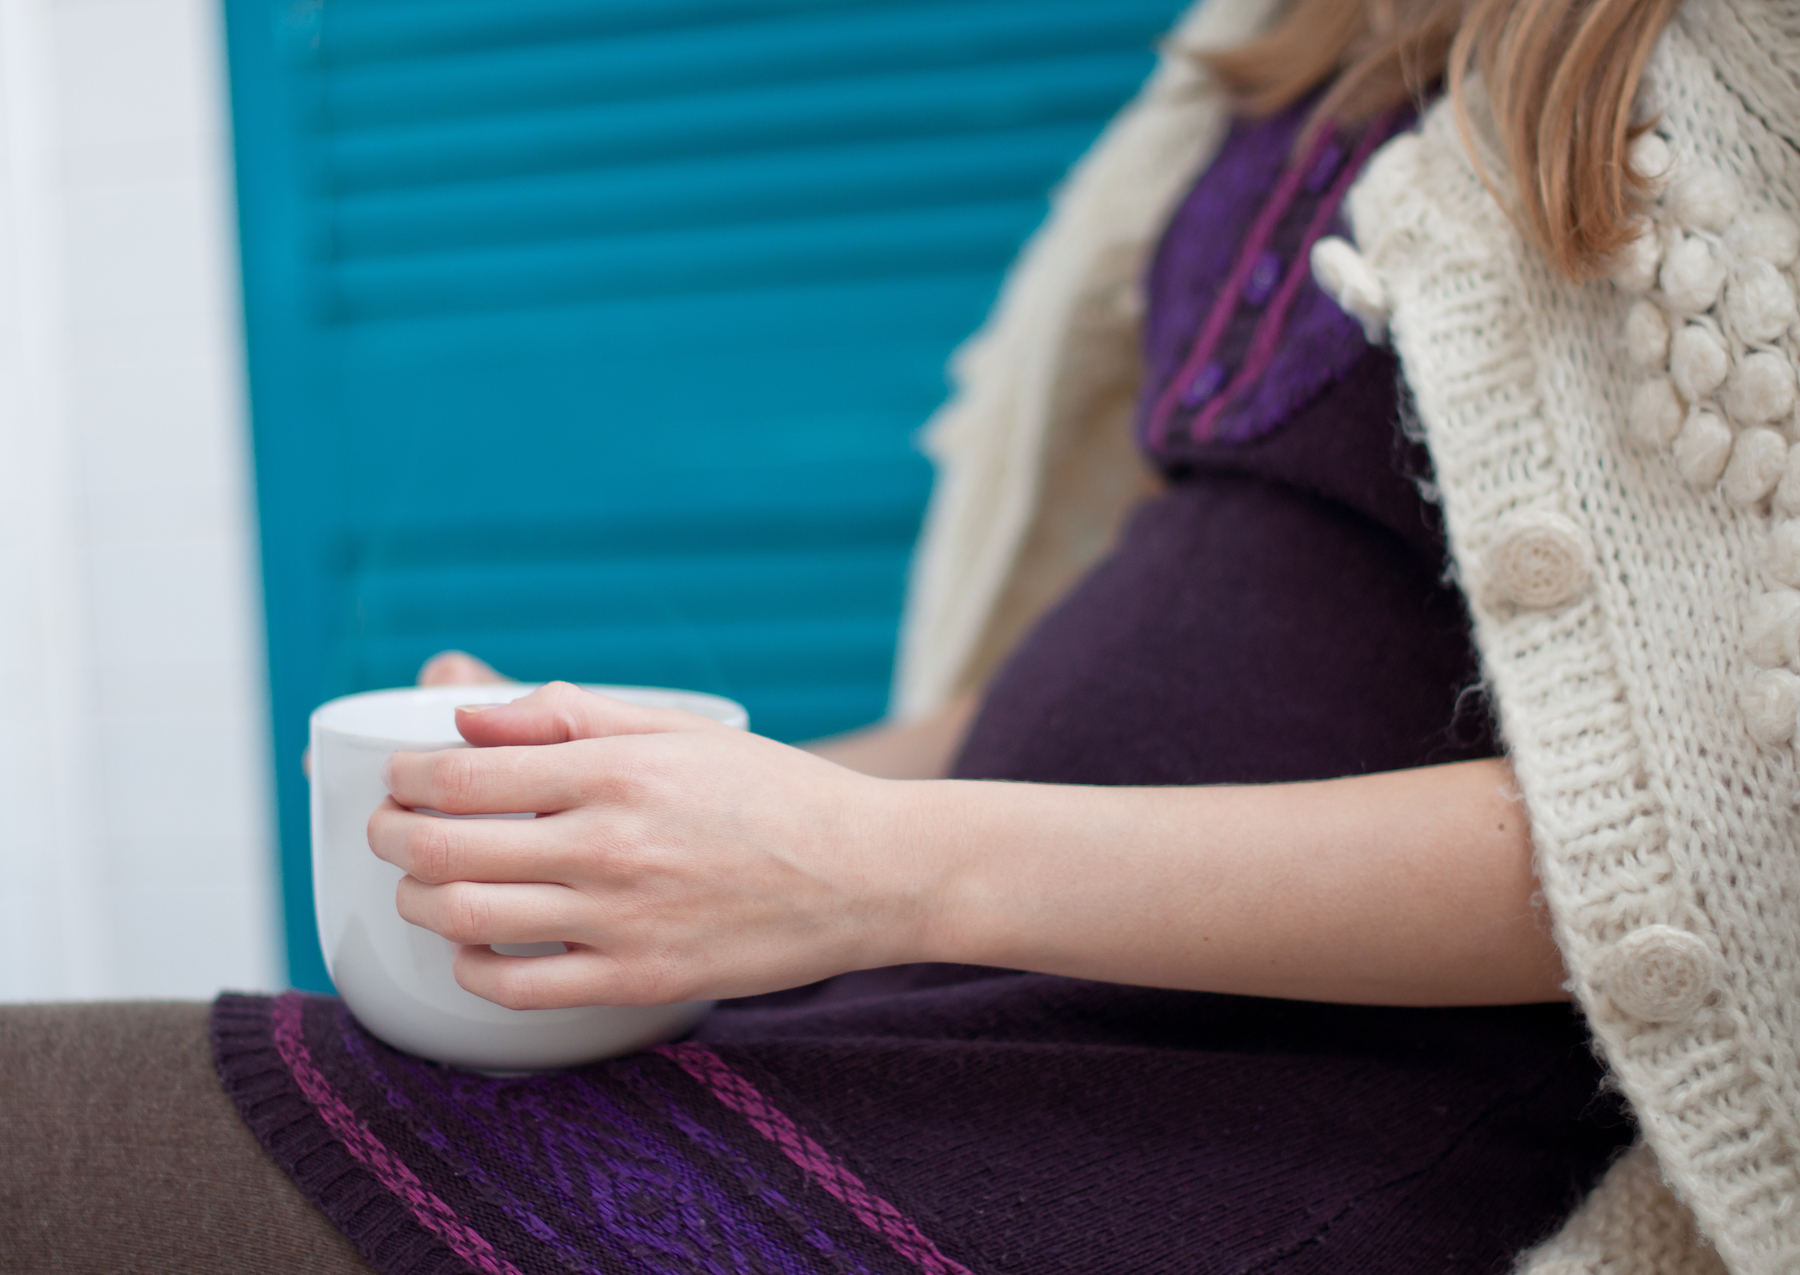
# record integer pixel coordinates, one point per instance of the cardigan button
(1539, 560)
(1659, 974)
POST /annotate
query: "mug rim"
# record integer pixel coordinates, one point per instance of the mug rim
(319, 720)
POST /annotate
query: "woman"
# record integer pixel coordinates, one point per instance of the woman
(1296, 935)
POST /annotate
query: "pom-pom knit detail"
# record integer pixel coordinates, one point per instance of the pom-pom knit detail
(1758, 459)
(1715, 338)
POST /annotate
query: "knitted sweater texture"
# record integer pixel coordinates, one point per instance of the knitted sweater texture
(1624, 520)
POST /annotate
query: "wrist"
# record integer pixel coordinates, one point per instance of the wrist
(919, 854)
(951, 837)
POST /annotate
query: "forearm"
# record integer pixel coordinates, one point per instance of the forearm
(1409, 888)
(681, 860)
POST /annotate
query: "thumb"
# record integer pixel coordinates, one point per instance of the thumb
(558, 712)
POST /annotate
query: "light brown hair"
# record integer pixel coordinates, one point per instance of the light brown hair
(1560, 78)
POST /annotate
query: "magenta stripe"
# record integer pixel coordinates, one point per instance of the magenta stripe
(819, 1165)
(1226, 303)
(1268, 329)
(432, 1213)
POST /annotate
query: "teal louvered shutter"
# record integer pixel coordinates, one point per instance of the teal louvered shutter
(591, 335)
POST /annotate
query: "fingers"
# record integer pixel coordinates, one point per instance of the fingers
(558, 712)
(435, 850)
(457, 668)
(496, 781)
(472, 912)
(581, 976)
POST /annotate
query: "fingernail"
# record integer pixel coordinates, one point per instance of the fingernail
(387, 774)
(476, 708)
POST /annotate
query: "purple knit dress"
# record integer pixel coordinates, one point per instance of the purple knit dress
(1278, 613)
(1281, 611)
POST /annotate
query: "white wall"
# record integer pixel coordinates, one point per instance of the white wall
(135, 824)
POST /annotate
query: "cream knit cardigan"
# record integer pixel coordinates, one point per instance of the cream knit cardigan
(1613, 462)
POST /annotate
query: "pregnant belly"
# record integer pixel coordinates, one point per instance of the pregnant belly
(1241, 632)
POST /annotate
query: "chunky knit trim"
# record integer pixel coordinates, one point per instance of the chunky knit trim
(1609, 588)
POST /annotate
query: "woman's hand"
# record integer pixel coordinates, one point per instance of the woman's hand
(446, 668)
(920, 749)
(676, 858)
(458, 668)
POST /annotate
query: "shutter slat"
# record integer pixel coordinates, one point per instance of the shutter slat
(752, 653)
(728, 589)
(787, 320)
(768, 119)
(386, 30)
(842, 180)
(647, 532)
(840, 248)
(778, 50)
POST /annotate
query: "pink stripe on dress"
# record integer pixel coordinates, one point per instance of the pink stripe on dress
(433, 1214)
(1264, 339)
(819, 1165)
(1226, 303)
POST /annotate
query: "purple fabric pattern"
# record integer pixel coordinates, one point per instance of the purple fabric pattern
(1241, 234)
(632, 1167)
(954, 1122)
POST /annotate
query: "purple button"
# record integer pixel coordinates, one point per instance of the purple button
(1264, 275)
(1325, 167)
(1207, 382)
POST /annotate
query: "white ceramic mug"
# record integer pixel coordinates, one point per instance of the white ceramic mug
(396, 977)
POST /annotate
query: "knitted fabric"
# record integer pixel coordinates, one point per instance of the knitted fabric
(1237, 335)
(1624, 556)
(943, 1121)
(1342, 650)
(1268, 339)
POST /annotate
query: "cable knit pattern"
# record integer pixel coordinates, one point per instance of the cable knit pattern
(1621, 500)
